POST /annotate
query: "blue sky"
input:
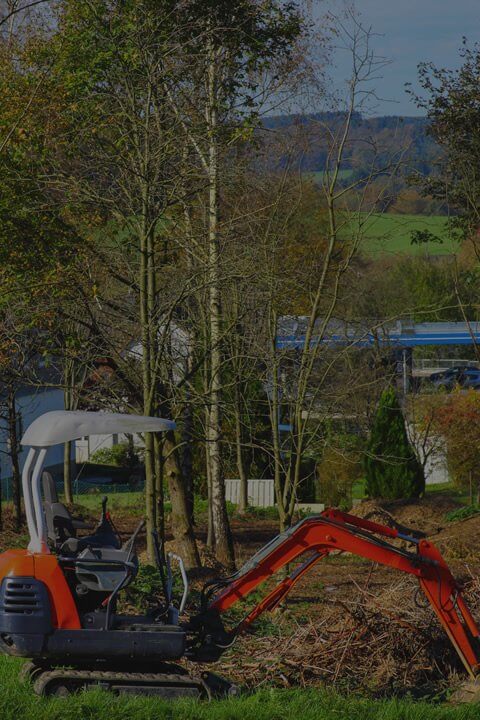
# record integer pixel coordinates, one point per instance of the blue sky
(411, 31)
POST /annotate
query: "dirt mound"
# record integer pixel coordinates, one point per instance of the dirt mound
(460, 540)
(357, 625)
(427, 515)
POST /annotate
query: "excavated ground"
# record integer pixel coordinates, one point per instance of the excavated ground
(357, 625)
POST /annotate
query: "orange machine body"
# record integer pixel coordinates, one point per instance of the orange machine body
(44, 567)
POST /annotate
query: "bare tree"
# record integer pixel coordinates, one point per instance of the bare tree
(213, 102)
(298, 384)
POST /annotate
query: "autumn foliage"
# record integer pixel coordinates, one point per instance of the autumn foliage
(457, 419)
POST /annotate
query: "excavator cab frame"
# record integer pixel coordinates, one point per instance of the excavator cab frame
(58, 597)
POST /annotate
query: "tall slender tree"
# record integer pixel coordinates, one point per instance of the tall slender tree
(113, 168)
(217, 101)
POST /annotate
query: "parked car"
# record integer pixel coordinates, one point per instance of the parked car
(466, 376)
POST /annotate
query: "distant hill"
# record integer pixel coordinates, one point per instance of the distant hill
(371, 139)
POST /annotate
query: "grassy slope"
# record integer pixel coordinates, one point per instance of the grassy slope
(391, 234)
(17, 701)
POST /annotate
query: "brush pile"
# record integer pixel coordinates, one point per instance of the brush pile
(383, 645)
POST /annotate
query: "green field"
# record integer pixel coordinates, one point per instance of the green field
(385, 234)
(318, 175)
(17, 702)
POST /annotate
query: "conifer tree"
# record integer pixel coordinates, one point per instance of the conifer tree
(391, 466)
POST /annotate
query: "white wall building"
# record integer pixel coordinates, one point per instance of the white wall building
(86, 446)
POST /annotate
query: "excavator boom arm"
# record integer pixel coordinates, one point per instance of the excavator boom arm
(335, 531)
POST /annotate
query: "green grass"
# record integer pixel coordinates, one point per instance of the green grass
(358, 489)
(318, 175)
(391, 234)
(17, 702)
(450, 490)
(462, 513)
(134, 501)
(445, 488)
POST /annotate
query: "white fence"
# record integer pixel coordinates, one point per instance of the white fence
(261, 493)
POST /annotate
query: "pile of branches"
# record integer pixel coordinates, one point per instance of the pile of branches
(384, 645)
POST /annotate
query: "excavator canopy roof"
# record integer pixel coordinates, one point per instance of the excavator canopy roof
(59, 426)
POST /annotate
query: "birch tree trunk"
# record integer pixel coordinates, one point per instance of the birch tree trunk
(187, 439)
(240, 450)
(220, 522)
(210, 532)
(237, 353)
(146, 361)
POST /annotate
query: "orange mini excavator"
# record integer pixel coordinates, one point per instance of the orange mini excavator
(58, 598)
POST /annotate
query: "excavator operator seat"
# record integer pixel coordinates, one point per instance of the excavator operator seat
(60, 523)
(103, 545)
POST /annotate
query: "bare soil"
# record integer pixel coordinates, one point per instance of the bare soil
(358, 625)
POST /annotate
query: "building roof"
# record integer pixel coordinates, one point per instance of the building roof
(403, 333)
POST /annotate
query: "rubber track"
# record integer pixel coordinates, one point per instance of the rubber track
(95, 677)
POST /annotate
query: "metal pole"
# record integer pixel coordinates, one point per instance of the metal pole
(405, 372)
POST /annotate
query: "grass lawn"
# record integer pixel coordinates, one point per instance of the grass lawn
(17, 702)
(391, 234)
(449, 489)
(133, 501)
(445, 488)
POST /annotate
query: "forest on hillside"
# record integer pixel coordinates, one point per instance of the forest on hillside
(372, 143)
(405, 134)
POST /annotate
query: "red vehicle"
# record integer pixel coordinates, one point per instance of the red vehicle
(58, 597)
